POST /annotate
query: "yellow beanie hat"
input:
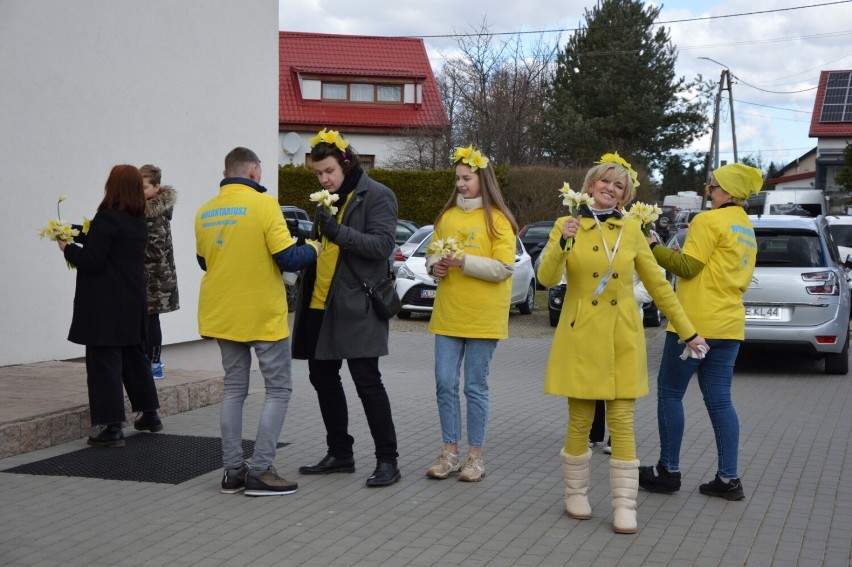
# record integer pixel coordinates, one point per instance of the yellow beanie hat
(739, 180)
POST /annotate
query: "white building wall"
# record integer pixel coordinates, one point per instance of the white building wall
(379, 145)
(89, 84)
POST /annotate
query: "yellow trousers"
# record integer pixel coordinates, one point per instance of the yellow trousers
(619, 420)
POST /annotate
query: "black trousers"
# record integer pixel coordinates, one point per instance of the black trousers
(325, 378)
(110, 367)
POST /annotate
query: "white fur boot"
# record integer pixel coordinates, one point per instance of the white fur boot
(624, 481)
(575, 471)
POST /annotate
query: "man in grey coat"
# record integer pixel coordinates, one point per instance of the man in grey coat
(335, 319)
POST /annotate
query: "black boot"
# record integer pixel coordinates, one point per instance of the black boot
(110, 436)
(150, 421)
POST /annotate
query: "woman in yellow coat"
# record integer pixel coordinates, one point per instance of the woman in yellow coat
(598, 348)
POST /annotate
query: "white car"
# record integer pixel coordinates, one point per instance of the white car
(840, 228)
(417, 289)
(404, 250)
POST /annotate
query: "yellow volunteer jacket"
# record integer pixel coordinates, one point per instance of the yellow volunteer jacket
(242, 294)
(466, 306)
(723, 240)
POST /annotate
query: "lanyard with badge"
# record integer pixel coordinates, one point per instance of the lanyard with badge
(611, 257)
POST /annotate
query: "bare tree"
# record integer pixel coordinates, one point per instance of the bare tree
(495, 93)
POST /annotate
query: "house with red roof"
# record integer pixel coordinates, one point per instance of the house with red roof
(798, 174)
(831, 124)
(376, 91)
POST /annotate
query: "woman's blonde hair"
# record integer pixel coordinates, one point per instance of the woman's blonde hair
(491, 199)
(601, 170)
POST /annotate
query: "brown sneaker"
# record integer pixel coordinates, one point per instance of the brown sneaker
(446, 464)
(268, 483)
(473, 470)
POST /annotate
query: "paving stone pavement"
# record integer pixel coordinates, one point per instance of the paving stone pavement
(796, 467)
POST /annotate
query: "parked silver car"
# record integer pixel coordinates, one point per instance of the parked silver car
(417, 289)
(799, 297)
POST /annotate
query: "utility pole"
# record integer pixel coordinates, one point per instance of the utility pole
(724, 85)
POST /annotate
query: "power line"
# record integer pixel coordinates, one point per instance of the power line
(685, 20)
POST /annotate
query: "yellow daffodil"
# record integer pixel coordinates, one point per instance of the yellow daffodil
(86, 224)
(470, 157)
(618, 160)
(331, 137)
(449, 248)
(646, 215)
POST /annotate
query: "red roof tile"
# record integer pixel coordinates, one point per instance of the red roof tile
(350, 56)
(787, 178)
(827, 129)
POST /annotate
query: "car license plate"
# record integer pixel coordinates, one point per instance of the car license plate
(427, 294)
(762, 312)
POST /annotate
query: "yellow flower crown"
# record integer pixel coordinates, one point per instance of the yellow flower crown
(618, 160)
(331, 137)
(470, 156)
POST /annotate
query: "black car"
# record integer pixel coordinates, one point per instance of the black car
(534, 237)
(556, 295)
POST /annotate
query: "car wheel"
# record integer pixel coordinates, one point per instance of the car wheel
(293, 295)
(838, 363)
(655, 320)
(404, 314)
(527, 306)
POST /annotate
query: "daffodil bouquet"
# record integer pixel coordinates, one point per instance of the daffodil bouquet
(646, 215)
(59, 229)
(449, 248)
(327, 201)
(573, 200)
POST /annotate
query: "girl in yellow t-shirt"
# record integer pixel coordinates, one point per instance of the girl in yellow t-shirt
(472, 255)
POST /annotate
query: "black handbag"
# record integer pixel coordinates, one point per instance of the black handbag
(383, 295)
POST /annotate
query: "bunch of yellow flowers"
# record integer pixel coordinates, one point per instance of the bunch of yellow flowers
(645, 214)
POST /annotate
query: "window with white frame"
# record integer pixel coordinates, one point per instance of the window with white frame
(362, 92)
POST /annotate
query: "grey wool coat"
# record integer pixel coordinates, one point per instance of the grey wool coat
(350, 327)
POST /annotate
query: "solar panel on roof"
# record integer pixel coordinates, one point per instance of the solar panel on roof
(837, 103)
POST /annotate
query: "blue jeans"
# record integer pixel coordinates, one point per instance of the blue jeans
(715, 375)
(274, 360)
(449, 352)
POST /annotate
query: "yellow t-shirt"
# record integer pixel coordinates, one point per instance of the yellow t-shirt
(465, 306)
(723, 240)
(326, 265)
(242, 294)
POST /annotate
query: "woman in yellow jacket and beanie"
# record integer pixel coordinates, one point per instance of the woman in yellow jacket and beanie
(598, 350)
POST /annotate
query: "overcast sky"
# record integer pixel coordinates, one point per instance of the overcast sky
(782, 50)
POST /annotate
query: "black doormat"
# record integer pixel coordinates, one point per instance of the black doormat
(167, 459)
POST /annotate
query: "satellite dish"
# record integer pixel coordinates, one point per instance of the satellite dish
(291, 143)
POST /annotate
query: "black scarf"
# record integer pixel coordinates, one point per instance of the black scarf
(350, 181)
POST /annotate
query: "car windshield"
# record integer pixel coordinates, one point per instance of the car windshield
(797, 209)
(537, 232)
(419, 235)
(842, 234)
(800, 249)
(421, 250)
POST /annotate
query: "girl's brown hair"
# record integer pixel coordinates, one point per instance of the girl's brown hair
(491, 199)
(123, 191)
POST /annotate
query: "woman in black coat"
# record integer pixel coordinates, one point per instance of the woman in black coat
(110, 309)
